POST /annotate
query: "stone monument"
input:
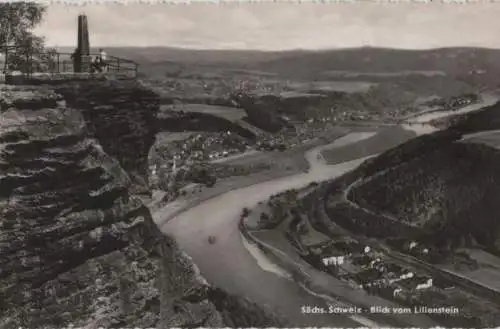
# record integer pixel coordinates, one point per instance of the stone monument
(82, 58)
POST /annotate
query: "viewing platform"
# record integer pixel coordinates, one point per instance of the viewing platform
(21, 63)
(54, 66)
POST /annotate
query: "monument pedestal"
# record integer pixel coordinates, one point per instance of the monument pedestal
(85, 64)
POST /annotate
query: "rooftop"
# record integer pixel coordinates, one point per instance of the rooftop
(412, 283)
(368, 276)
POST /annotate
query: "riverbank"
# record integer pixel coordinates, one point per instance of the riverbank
(228, 264)
(290, 270)
(246, 270)
(487, 99)
(163, 212)
(290, 265)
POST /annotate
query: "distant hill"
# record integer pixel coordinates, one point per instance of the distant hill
(380, 60)
(189, 56)
(308, 62)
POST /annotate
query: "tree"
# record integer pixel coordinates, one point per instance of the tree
(245, 212)
(264, 218)
(17, 41)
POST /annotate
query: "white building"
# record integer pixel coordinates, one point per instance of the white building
(425, 285)
(404, 276)
(396, 292)
(333, 260)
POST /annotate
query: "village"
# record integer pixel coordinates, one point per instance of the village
(372, 270)
(176, 160)
(454, 103)
(364, 266)
(369, 269)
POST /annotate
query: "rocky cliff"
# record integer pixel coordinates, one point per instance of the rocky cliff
(121, 115)
(76, 245)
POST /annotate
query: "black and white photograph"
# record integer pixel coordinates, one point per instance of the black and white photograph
(249, 164)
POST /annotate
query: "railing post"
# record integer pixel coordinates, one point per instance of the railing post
(27, 64)
(118, 65)
(58, 58)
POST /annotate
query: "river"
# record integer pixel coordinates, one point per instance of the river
(241, 268)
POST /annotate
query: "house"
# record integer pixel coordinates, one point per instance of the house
(415, 283)
(370, 278)
(333, 260)
(403, 275)
(425, 284)
(406, 275)
(397, 292)
(374, 263)
(396, 271)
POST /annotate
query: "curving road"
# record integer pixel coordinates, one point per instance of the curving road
(241, 268)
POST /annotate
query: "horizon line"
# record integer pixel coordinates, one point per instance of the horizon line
(283, 50)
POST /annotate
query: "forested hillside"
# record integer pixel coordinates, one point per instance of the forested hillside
(436, 188)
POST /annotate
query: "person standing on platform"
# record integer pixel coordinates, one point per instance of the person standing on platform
(96, 65)
(103, 59)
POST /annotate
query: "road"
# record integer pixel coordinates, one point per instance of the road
(241, 268)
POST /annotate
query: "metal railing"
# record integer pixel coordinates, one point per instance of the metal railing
(34, 63)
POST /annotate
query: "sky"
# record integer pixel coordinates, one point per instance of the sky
(279, 25)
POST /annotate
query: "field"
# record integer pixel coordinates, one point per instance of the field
(164, 138)
(330, 86)
(387, 138)
(312, 236)
(298, 94)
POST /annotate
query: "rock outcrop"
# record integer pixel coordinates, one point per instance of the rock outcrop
(76, 245)
(121, 114)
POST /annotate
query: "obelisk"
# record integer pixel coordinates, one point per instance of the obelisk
(82, 61)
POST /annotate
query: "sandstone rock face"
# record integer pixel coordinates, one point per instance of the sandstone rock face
(76, 245)
(122, 116)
